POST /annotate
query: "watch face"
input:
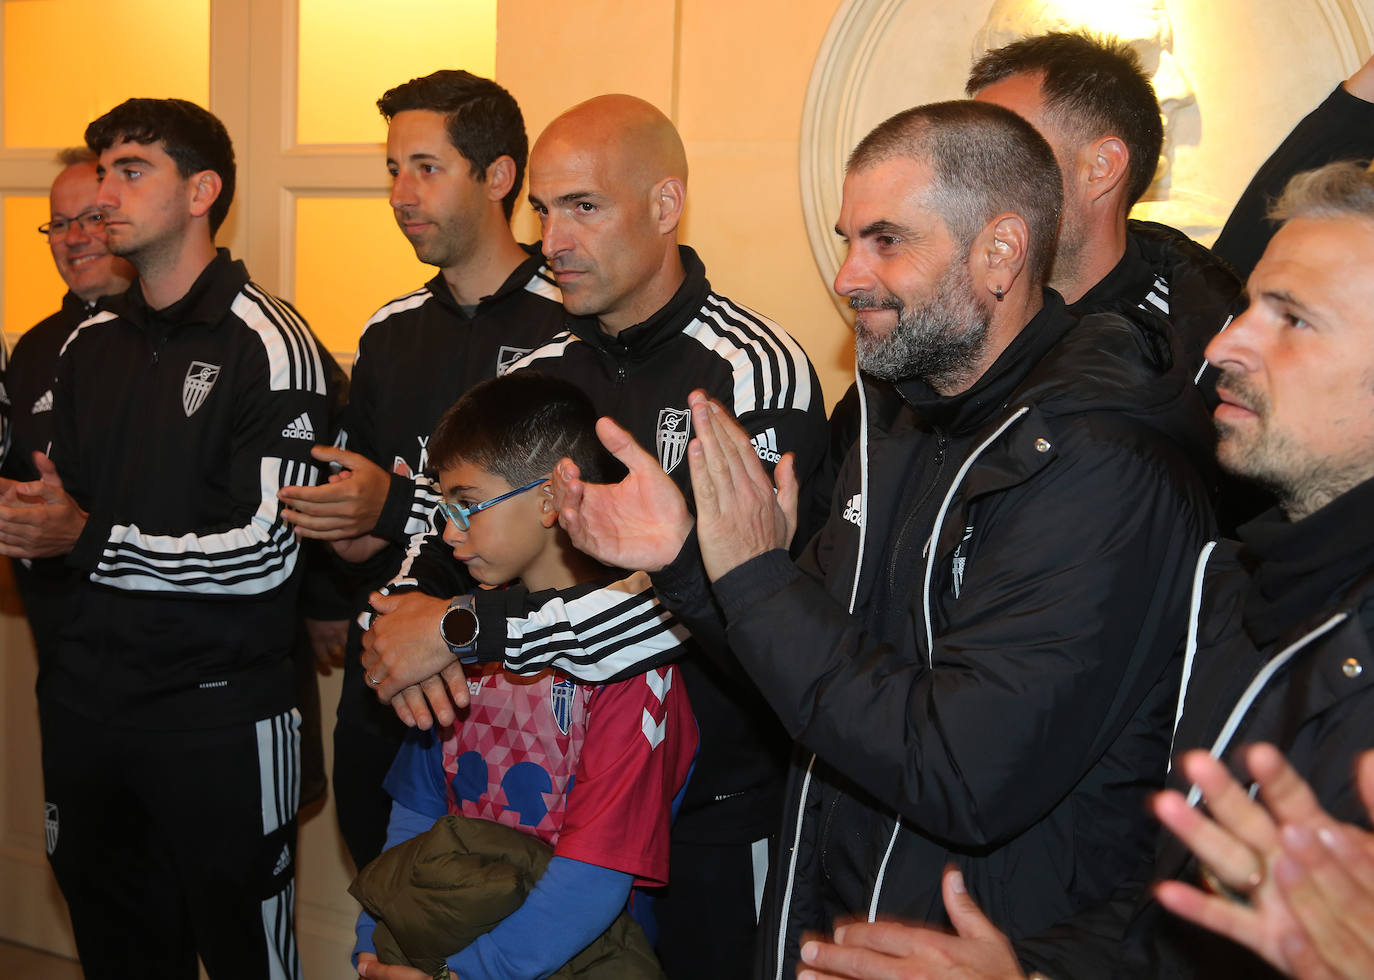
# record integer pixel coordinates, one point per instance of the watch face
(459, 627)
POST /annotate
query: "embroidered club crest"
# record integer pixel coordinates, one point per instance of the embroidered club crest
(507, 356)
(560, 701)
(50, 825)
(674, 432)
(200, 378)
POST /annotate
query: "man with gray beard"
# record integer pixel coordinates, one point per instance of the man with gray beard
(978, 653)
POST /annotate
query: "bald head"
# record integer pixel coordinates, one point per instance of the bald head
(609, 181)
(629, 136)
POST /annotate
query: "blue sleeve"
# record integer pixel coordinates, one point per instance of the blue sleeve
(401, 827)
(572, 904)
(416, 777)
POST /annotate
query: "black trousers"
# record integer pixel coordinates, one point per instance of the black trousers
(362, 757)
(169, 845)
(708, 914)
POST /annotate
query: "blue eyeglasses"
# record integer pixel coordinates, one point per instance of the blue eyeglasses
(460, 516)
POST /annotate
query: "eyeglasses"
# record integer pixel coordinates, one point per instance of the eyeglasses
(461, 516)
(89, 222)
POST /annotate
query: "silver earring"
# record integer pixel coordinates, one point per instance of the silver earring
(997, 291)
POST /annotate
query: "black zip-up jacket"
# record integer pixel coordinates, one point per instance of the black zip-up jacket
(999, 695)
(1281, 651)
(641, 378)
(174, 430)
(44, 583)
(417, 355)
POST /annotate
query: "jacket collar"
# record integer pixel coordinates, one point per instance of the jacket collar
(205, 302)
(662, 326)
(1296, 567)
(516, 281)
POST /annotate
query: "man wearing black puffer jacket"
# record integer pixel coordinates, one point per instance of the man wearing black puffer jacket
(1280, 632)
(978, 655)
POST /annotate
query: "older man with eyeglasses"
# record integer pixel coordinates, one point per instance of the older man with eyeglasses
(76, 234)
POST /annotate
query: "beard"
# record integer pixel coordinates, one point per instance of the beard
(942, 342)
(1302, 480)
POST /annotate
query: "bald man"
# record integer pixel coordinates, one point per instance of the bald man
(608, 179)
(75, 232)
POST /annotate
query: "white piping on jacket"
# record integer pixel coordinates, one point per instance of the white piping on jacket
(940, 520)
(1205, 363)
(853, 593)
(1257, 685)
(925, 600)
(1190, 651)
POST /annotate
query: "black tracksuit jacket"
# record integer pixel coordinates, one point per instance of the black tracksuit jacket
(174, 430)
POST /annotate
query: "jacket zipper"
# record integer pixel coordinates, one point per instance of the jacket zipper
(941, 441)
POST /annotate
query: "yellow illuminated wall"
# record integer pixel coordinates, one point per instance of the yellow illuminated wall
(33, 289)
(350, 259)
(351, 51)
(57, 79)
(67, 61)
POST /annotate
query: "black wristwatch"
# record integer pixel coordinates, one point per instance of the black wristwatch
(459, 628)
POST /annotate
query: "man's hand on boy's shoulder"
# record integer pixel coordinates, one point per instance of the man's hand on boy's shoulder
(369, 967)
(406, 662)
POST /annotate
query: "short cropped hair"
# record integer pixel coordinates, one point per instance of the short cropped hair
(193, 137)
(72, 155)
(986, 161)
(1093, 86)
(482, 118)
(1338, 190)
(519, 426)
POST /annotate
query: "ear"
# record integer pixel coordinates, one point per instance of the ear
(500, 178)
(1108, 164)
(669, 198)
(548, 513)
(205, 188)
(999, 253)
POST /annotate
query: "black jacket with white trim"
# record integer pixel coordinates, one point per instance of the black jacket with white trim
(1264, 663)
(978, 647)
(641, 378)
(417, 355)
(175, 428)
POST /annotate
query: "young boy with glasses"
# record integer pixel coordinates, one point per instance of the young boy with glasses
(590, 769)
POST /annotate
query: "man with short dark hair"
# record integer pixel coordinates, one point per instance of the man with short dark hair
(75, 233)
(973, 647)
(456, 151)
(1094, 104)
(170, 733)
(1281, 634)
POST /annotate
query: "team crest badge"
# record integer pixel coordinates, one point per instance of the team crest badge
(507, 356)
(200, 378)
(674, 431)
(560, 700)
(50, 825)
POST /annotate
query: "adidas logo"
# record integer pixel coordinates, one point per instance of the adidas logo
(300, 428)
(854, 510)
(283, 861)
(766, 445)
(44, 403)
